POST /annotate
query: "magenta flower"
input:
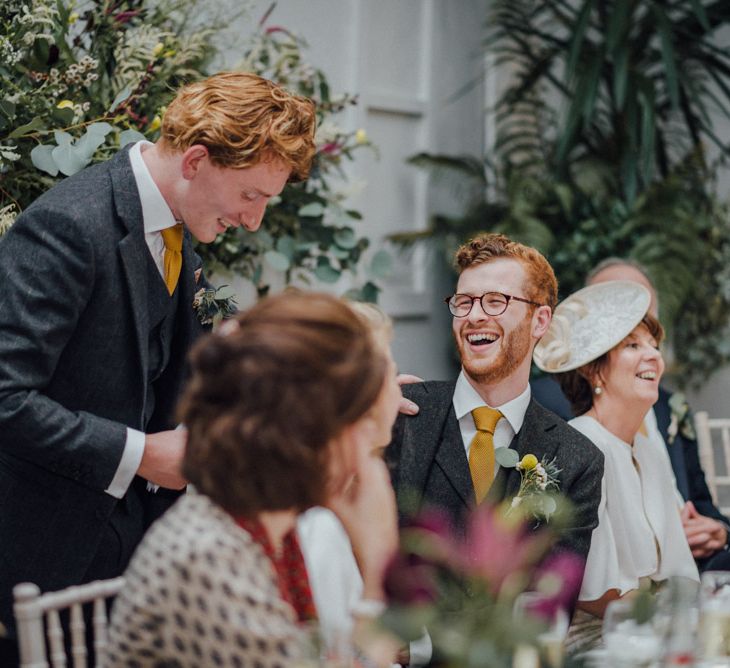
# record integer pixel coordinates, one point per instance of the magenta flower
(495, 548)
(558, 580)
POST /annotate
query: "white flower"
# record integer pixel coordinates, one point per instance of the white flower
(516, 501)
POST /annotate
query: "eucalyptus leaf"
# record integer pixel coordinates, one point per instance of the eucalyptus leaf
(121, 96)
(277, 260)
(381, 264)
(87, 144)
(100, 128)
(311, 210)
(7, 107)
(325, 272)
(346, 238)
(286, 246)
(69, 159)
(62, 138)
(42, 158)
(130, 136)
(29, 128)
(506, 457)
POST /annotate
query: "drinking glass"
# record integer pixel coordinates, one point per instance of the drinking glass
(628, 643)
(714, 632)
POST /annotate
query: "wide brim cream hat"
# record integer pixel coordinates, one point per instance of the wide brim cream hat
(589, 323)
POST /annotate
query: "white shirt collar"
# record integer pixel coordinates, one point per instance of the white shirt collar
(467, 399)
(156, 213)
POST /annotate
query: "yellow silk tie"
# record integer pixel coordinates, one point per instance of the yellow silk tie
(173, 238)
(481, 451)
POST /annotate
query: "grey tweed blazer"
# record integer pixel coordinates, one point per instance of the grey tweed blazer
(74, 368)
(429, 466)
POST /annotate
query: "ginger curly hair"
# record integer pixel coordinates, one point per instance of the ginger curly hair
(242, 119)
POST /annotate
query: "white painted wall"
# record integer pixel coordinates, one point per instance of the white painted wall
(405, 59)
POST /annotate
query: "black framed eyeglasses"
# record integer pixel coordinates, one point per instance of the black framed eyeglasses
(492, 303)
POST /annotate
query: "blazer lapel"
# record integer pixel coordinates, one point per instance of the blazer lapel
(132, 250)
(451, 458)
(532, 438)
(433, 438)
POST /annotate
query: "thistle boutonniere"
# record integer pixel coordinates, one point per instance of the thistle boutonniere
(681, 419)
(538, 483)
(213, 305)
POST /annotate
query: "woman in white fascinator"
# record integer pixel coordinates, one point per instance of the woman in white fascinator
(604, 345)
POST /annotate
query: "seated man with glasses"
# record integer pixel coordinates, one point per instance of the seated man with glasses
(444, 457)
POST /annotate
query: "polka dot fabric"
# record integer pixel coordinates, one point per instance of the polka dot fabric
(201, 592)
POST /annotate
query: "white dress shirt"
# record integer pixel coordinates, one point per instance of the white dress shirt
(467, 399)
(156, 216)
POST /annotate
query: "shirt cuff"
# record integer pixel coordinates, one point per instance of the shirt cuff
(128, 464)
(421, 650)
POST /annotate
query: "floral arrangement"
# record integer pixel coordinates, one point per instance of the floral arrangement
(469, 591)
(213, 305)
(77, 82)
(538, 485)
(681, 418)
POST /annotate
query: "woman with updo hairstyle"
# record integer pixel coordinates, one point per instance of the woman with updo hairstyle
(604, 345)
(282, 410)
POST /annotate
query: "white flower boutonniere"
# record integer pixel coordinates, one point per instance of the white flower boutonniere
(681, 419)
(214, 305)
(539, 481)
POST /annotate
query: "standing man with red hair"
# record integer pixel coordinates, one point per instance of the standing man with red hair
(96, 308)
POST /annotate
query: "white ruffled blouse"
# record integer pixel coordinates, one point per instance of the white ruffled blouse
(639, 532)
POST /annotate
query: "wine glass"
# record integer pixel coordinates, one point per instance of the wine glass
(715, 618)
(630, 643)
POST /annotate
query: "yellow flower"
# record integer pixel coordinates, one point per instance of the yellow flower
(361, 137)
(155, 124)
(72, 18)
(157, 50)
(528, 462)
(65, 104)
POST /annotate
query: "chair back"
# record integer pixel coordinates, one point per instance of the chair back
(713, 442)
(40, 634)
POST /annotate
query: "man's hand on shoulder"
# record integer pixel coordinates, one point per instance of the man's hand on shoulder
(162, 459)
(406, 406)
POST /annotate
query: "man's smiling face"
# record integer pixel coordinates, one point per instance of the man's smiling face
(493, 347)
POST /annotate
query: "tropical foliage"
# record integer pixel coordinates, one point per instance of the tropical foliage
(77, 83)
(603, 137)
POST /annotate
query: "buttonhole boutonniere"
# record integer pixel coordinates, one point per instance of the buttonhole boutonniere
(681, 419)
(213, 305)
(538, 483)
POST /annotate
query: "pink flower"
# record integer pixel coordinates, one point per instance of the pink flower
(495, 549)
(558, 580)
(331, 147)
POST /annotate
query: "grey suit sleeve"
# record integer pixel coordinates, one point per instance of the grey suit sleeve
(584, 493)
(47, 268)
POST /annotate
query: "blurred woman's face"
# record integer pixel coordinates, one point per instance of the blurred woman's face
(372, 432)
(385, 408)
(634, 369)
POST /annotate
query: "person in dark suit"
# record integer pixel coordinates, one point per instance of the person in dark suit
(705, 526)
(98, 279)
(503, 305)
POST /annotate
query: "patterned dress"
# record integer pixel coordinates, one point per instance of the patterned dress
(201, 592)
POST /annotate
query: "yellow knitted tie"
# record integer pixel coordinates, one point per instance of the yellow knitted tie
(173, 238)
(481, 451)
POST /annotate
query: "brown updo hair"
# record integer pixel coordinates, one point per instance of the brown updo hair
(577, 385)
(268, 394)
